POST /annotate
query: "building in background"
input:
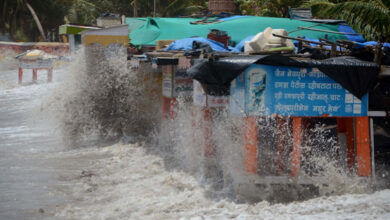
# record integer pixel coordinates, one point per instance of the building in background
(220, 6)
(109, 20)
(71, 34)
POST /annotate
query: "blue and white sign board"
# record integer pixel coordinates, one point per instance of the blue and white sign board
(264, 90)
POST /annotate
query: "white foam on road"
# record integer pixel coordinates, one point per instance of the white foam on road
(131, 184)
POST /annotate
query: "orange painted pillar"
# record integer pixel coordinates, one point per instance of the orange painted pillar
(35, 75)
(209, 148)
(50, 75)
(345, 126)
(166, 106)
(20, 75)
(363, 156)
(295, 165)
(194, 122)
(173, 108)
(251, 140)
(280, 166)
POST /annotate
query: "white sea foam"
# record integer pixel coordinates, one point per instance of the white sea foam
(132, 184)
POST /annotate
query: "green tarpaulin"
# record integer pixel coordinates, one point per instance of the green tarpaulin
(146, 31)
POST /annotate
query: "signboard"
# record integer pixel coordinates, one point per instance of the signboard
(290, 91)
(32, 64)
(183, 84)
(167, 80)
(176, 82)
(134, 63)
(201, 99)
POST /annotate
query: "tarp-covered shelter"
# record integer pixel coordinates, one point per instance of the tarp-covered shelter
(146, 31)
(72, 33)
(112, 35)
(353, 74)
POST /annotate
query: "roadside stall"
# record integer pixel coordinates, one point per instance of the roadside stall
(35, 60)
(299, 73)
(71, 34)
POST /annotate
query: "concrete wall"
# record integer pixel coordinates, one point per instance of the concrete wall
(58, 49)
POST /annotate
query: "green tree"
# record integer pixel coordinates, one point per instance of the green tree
(369, 17)
(169, 8)
(270, 8)
(182, 7)
(30, 19)
(246, 7)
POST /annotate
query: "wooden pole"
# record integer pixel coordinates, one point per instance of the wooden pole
(280, 166)
(50, 75)
(349, 133)
(135, 12)
(154, 8)
(20, 75)
(35, 75)
(378, 53)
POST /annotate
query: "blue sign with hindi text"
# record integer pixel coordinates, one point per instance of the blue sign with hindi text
(291, 91)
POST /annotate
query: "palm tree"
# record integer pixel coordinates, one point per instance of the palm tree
(370, 17)
(270, 8)
(13, 14)
(182, 7)
(82, 12)
(167, 7)
(36, 19)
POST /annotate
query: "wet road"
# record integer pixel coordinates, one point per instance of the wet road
(30, 150)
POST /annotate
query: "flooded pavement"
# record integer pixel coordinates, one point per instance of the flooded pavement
(31, 151)
(41, 178)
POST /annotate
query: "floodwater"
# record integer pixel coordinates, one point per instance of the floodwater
(42, 178)
(32, 165)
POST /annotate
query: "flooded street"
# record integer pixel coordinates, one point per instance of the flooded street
(41, 178)
(31, 161)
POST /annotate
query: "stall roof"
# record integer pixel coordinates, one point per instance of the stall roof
(120, 30)
(356, 76)
(146, 31)
(75, 29)
(106, 36)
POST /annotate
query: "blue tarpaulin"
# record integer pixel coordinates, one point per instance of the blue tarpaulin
(186, 44)
(369, 43)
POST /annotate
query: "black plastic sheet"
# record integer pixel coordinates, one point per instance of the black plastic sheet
(355, 75)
